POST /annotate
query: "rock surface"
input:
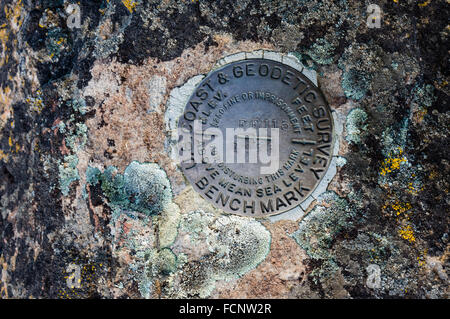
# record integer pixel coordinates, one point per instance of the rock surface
(87, 182)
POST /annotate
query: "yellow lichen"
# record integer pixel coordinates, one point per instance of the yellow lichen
(424, 4)
(414, 190)
(401, 208)
(3, 156)
(4, 36)
(402, 212)
(14, 15)
(406, 232)
(392, 163)
(433, 175)
(36, 103)
(130, 5)
(421, 259)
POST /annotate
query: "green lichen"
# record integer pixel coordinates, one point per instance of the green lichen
(147, 187)
(321, 52)
(319, 229)
(78, 140)
(168, 225)
(355, 84)
(355, 125)
(79, 105)
(93, 175)
(143, 187)
(151, 264)
(305, 60)
(62, 127)
(164, 262)
(394, 137)
(55, 43)
(68, 173)
(424, 95)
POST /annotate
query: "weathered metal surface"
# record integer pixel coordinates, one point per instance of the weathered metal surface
(252, 97)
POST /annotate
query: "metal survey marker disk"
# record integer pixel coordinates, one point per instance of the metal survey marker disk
(255, 138)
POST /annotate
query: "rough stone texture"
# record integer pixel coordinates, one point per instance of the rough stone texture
(82, 116)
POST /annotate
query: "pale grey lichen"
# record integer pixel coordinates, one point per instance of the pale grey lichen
(321, 51)
(68, 173)
(318, 230)
(355, 84)
(226, 247)
(79, 105)
(157, 87)
(341, 161)
(355, 125)
(168, 225)
(77, 140)
(147, 186)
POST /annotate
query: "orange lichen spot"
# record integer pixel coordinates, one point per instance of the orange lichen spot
(4, 35)
(414, 190)
(392, 163)
(407, 233)
(130, 5)
(422, 258)
(424, 4)
(3, 156)
(60, 40)
(433, 175)
(401, 208)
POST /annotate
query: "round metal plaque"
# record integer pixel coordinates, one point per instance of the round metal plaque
(256, 137)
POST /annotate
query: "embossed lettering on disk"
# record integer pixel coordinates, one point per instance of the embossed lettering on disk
(256, 137)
